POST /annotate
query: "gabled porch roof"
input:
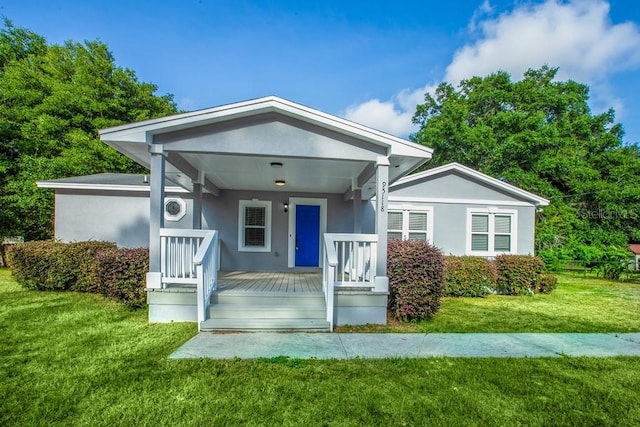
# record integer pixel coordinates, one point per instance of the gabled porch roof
(249, 145)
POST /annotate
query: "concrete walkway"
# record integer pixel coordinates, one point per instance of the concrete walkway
(347, 346)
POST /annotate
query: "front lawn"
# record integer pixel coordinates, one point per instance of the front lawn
(78, 359)
(578, 304)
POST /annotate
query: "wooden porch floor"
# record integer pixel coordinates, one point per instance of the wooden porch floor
(271, 282)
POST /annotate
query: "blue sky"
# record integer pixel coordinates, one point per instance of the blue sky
(370, 61)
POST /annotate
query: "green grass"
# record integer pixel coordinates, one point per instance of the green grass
(77, 359)
(578, 304)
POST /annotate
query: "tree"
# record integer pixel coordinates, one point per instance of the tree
(53, 100)
(539, 134)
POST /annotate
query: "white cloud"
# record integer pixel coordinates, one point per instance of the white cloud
(392, 116)
(576, 36)
(381, 115)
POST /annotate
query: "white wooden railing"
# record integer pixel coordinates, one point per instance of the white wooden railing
(177, 250)
(207, 263)
(356, 259)
(191, 257)
(349, 262)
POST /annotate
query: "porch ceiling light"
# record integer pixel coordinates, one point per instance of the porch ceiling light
(276, 165)
(280, 182)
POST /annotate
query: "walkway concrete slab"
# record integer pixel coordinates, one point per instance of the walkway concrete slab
(481, 345)
(346, 346)
(374, 346)
(261, 344)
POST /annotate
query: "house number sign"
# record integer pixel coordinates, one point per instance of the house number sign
(383, 195)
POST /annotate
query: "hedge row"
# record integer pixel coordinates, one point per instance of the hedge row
(507, 275)
(98, 267)
(469, 276)
(517, 274)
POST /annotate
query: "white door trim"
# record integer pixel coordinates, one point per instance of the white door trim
(293, 202)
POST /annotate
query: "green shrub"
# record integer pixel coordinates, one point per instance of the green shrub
(517, 274)
(468, 276)
(615, 262)
(545, 283)
(416, 279)
(121, 274)
(51, 265)
(554, 260)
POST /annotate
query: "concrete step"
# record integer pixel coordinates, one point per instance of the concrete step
(253, 311)
(265, 311)
(265, 298)
(309, 325)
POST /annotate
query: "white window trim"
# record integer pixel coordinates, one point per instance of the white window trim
(181, 213)
(405, 209)
(492, 212)
(267, 229)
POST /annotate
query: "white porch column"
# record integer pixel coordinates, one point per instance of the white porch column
(382, 204)
(357, 211)
(197, 205)
(156, 214)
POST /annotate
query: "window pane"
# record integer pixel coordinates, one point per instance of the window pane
(255, 216)
(503, 224)
(395, 221)
(417, 221)
(394, 235)
(480, 223)
(502, 243)
(479, 242)
(417, 236)
(254, 236)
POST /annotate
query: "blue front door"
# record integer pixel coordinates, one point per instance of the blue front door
(307, 236)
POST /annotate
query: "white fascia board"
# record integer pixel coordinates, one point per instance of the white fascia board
(104, 187)
(537, 200)
(489, 202)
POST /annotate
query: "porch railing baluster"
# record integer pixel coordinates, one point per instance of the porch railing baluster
(349, 262)
(191, 257)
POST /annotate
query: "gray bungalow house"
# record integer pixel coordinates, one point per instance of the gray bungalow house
(267, 214)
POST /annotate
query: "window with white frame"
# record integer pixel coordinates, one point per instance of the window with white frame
(254, 226)
(410, 223)
(491, 231)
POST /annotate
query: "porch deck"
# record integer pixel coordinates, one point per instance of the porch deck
(247, 282)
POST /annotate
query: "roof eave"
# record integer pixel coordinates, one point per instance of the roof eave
(535, 199)
(142, 132)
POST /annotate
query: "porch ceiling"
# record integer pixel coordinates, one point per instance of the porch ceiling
(231, 172)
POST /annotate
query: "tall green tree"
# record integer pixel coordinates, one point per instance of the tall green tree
(53, 100)
(540, 134)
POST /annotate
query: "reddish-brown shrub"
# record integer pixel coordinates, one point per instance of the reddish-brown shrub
(51, 265)
(416, 279)
(83, 266)
(121, 274)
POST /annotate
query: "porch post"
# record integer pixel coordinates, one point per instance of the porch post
(382, 197)
(357, 211)
(156, 214)
(197, 205)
